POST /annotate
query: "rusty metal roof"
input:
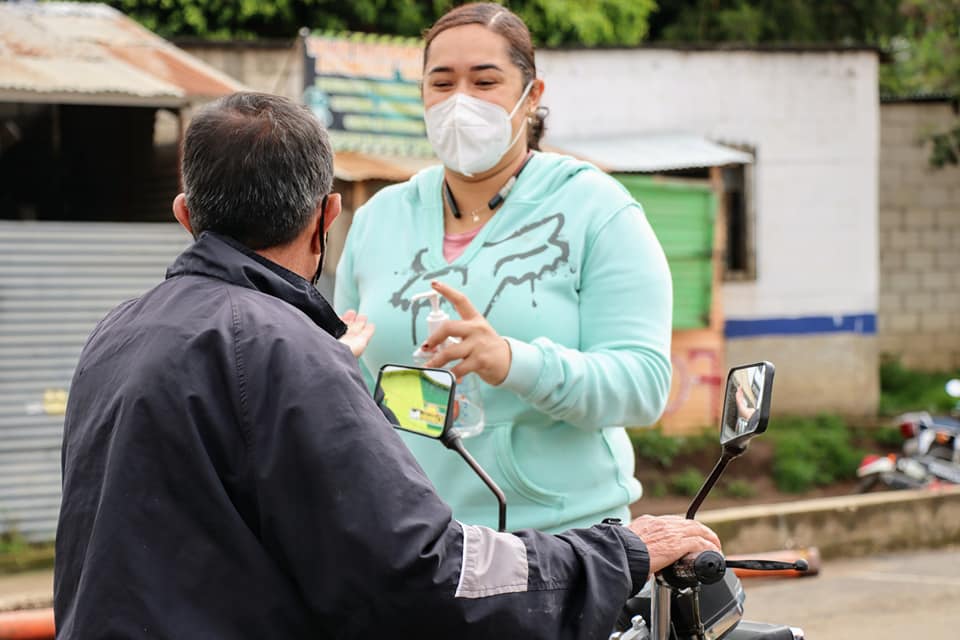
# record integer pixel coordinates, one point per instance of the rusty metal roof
(63, 52)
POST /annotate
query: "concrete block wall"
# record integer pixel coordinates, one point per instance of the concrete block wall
(269, 66)
(919, 240)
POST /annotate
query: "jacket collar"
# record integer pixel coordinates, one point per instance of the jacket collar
(223, 258)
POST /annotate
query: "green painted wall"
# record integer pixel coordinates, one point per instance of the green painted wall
(682, 214)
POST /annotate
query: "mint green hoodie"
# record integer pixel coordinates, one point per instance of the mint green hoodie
(570, 272)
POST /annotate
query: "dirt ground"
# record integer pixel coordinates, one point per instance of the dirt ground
(754, 468)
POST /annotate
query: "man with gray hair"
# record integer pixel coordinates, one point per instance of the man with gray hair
(226, 473)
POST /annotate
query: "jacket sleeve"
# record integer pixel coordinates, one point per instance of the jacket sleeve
(346, 511)
(620, 375)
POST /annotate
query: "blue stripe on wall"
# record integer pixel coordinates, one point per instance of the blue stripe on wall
(865, 323)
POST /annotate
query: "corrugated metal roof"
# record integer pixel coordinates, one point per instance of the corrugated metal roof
(92, 53)
(354, 166)
(648, 152)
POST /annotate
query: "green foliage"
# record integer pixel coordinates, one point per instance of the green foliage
(12, 542)
(18, 554)
(585, 22)
(925, 48)
(887, 436)
(795, 475)
(811, 452)
(946, 148)
(656, 489)
(738, 488)
(551, 22)
(789, 21)
(903, 390)
(652, 445)
(706, 440)
(686, 482)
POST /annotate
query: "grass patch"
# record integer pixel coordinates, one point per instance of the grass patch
(738, 488)
(903, 390)
(651, 445)
(686, 482)
(18, 554)
(812, 452)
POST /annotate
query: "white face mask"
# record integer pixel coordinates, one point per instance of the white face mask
(470, 135)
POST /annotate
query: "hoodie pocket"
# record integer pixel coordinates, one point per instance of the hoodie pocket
(518, 480)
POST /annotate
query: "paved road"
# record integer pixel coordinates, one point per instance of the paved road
(913, 596)
(886, 597)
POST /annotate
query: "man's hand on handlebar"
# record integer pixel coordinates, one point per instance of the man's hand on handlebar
(669, 538)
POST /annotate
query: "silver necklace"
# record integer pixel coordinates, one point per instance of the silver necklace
(494, 202)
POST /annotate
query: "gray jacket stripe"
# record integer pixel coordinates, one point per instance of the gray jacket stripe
(493, 563)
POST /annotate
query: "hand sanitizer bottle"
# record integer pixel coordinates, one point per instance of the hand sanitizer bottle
(469, 407)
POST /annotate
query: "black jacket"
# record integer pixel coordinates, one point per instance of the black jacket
(226, 474)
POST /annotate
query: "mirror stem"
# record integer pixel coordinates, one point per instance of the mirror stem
(711, 480)
(452, 440)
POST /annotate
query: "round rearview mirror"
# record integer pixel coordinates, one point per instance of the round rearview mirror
(417, 399)
(746, 405)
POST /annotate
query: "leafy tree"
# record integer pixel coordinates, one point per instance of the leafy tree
(926, 59)
(585, 22)
(783, 21)
(551, 22)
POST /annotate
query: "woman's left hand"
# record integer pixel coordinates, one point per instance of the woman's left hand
(481, 349)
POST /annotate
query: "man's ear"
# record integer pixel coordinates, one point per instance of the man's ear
(334, 206)
(181, 213)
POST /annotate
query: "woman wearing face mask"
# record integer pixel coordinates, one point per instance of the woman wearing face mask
(562, 290)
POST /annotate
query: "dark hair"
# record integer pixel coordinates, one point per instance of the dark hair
(255, 167)
(505, 23)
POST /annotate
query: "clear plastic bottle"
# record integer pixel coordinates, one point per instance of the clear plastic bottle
(470, 418)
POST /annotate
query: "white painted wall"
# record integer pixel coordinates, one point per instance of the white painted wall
(813, 118)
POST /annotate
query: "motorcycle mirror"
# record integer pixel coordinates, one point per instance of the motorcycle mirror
(417, 399)
(746, 405)
(423, 401)
(953, 388)
(746, 410)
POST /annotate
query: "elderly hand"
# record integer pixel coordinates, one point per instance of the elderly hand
(359, 332)
(669, 538)
(481, 350)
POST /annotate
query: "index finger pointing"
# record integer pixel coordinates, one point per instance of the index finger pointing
(459, 300)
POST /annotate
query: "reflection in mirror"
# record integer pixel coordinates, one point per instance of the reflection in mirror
(744, 408)
(416, 399)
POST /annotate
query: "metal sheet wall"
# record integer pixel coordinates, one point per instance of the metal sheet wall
(682, 215)
(57, 280)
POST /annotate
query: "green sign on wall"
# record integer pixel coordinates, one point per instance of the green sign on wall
(682, 215)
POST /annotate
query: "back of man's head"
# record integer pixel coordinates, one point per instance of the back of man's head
(255, 168)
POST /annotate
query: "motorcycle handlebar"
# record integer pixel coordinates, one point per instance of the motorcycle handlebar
(708, 567)
(705, 567)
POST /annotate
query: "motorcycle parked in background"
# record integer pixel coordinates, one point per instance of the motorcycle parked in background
(694, 599)
(930, 453)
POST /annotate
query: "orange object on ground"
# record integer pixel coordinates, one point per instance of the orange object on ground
(810, 554)
(27, 624)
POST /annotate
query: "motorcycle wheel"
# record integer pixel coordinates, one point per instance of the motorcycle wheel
(868, 484)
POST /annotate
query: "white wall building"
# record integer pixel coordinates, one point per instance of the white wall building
(811, 118)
